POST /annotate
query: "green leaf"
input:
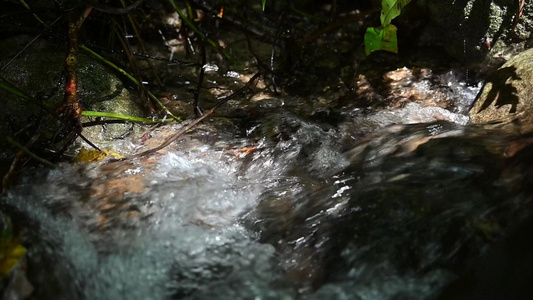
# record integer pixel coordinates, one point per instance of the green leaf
(264, 3)
(381, 38)
(123, 117)
(14, 91)
(390, 9)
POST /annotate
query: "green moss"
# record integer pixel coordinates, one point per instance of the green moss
(37, 72)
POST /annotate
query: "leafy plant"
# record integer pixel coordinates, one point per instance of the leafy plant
(390, 9)
(381, 38)
(384, 36)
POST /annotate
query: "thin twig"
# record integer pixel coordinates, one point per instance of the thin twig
(134, 26)
(50, 112)
(28, 44)
(194, 28)
(24, 150)
(249, 28)
(519, 11)
(131, 78)
(196, 108)
(28, 152)
(176, 135)
(113, 10)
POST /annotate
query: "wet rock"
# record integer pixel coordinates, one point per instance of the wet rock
(476, 31)
(37, 72)
(511, 256)
(508, 93)
(362, 231)
(179, 108)
(31, 74)
(101, 90)
(395, 87)
(484, 280)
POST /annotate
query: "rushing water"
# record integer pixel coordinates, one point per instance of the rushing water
(360, 210)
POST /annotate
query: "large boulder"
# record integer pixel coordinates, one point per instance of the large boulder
(37, 72)
(508, 93)
(477, 32)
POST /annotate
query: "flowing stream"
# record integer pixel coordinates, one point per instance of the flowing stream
(365, 208)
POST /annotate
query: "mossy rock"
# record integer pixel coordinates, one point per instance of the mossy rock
(38, 73)
(508, 93)
(477, 32)
(101, 90)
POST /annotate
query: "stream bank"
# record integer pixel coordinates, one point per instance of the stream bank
(364, 183)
